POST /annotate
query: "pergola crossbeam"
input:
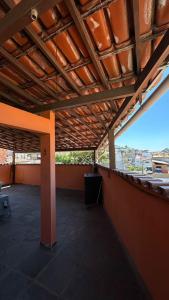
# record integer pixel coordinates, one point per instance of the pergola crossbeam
(91, 99)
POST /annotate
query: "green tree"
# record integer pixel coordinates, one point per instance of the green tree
(74, 157)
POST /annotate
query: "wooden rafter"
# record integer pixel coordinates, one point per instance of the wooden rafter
(75, 149)
(81, 131)
(18, 90)
(103, 55)
(41, 45)
(137, 33)
(73, 113)
(86, 38)
(20, 16)
(159, 55)
(13, 99)
(98, 118)
(71, 135)
(137, 38)
(74, 129)
(90, 115)
(61, 128)
(25, 71)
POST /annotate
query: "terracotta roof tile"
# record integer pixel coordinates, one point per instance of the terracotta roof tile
(110, 26)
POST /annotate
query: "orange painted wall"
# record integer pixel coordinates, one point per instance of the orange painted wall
(5, 173)
(71, 176)
(67, 176)
(27, 174)
(142, 222)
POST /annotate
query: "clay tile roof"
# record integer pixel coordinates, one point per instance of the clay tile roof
(73, 51)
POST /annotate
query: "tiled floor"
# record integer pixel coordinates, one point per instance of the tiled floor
(88, 262)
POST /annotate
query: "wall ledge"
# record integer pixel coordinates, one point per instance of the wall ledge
(38, 164)
(154, 186)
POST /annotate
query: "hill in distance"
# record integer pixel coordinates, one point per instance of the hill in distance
(166, 150)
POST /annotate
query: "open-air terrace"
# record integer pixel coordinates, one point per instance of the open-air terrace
(72, 75)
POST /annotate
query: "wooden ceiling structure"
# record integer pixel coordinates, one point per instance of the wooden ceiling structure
(90, 61)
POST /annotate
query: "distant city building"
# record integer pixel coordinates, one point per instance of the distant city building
(27, 158)
(127, 158)
(160, 166)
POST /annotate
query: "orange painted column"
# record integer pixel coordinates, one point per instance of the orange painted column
(48, 185)
(13, 167)
(112, 159)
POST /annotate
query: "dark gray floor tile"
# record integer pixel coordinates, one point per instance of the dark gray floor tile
(84, 285)
(36, 292)
(34, 263)
(87, 263)
(3, 270)
(17, 253)
(58, 273)
(12, 285)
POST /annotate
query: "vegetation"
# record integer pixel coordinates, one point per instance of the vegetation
(133, 168)
(104, 158)
(74, 157)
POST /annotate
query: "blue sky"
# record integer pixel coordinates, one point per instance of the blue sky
(151, 131)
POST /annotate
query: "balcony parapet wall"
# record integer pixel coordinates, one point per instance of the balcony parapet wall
(139, 214)
(68, 176)
(158, 187)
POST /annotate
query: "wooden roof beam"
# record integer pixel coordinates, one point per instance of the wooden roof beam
(62, 128)
(20, 16)
(73, 113)
(76, 149)
(72, 127)
(137, 32)
(7, 83)
(69, 134)
(25, 71)
(98, 118)
(13, 99)
(39, 42)
(137, 38)
(89, 99)
(78, 20)
(157, 58)
(41, 45)
(102, 113)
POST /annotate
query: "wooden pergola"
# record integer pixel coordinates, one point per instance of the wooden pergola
(89, 61)
(79, 67)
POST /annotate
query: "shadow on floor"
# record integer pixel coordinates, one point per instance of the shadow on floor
(87, 263)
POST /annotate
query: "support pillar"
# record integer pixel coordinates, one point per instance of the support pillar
(94, 157)
(48, 184)
(13, 167)
(112, 161)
